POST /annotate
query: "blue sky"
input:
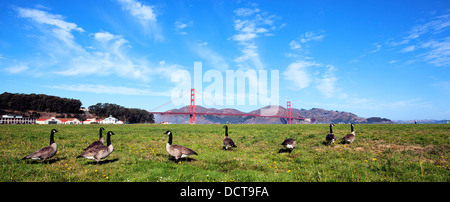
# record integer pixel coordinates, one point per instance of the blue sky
(372, 58)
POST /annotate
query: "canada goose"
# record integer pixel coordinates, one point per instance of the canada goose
(99, 152)
(228, 142)
(100, 140)
(177, 151)
(330, 137)
(349, 137)
(289, 145)
(46, 152)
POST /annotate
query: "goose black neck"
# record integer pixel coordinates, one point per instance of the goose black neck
(52, 139)
(226, 131)
(108, 139)
(331, 128)
(100, 133)
(170, 139)
(352, 127)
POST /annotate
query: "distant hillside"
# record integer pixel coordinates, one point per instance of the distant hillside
(319, 115)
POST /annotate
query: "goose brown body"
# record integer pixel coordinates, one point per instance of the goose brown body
(177, 151)
(330, 138)
(227, 142)
(45, 152)
(349, 137)
(100, 140)
(99, 152)
(289, 144)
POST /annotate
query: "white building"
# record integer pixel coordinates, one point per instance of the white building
(111, 120)
(51, 120)
(91, 121)
(70, 121)
(11, 119)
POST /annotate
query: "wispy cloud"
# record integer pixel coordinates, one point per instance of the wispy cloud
(60, 29)
(250, 24)
(304, 74)
(210, 56)
(145, 15)
(301, 42)
(103, 89)
(181, 25)
(298, 73)
(428, 40)
(62, 55)
(327, 84)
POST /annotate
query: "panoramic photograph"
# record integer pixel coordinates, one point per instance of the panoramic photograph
(238, 91)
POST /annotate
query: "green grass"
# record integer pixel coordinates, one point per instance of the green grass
(392, 153)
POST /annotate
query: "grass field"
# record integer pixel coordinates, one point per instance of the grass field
(392, 153)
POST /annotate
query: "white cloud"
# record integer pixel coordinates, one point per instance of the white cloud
(429, 40)
(143, 12)
(16, 69)
(104, 36)
(102, 89)
(245, 11)
(303, 40)
(295, 45)
(146, 16)
(180, 26)
(210, 56)
(61, 54)
(250, 24)
(327, 84)
(311, 36)
(60, 29)
(297, 73)
(408, 49)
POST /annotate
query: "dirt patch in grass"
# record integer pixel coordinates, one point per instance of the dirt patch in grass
(396, 147)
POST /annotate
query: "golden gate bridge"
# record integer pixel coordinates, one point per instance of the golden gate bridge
(192, 113)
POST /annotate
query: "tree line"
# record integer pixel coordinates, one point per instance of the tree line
(129, 115)
(38, 102)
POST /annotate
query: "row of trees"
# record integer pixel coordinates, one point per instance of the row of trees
(38, 102)
(130, 115)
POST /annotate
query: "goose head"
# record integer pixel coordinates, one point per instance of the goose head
(54, 131)
(168, 132)
(110, 133)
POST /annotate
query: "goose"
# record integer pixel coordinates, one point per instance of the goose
(289, 145)
(99, 152)
(177, 151)
(100, 140)
(330, 137)
(228, 142)
(46, 152)
(349, 137)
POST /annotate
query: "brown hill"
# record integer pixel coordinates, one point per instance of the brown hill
(316, 114)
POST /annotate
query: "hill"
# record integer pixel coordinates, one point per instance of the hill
(318, 115)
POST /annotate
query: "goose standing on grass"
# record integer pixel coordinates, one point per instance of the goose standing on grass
(349, 137)
(46, 152)
(330, 137)
(227, 142)
(289, 145)
(177, 151)
(99, 152)
(99, 141)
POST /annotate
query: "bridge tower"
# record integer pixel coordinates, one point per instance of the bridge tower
(192, 107)
(288, 112)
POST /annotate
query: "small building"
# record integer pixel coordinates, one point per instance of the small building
(51, 120)
(111, 120)
(91, 121)
(11, 119)
(70, 121)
